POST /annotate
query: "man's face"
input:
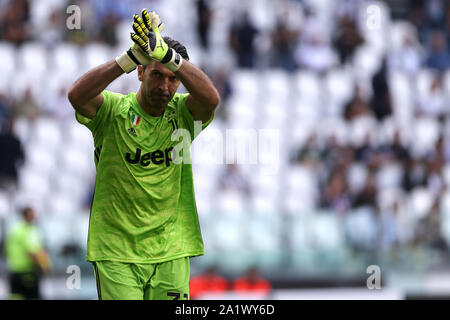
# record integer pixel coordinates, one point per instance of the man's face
(159, 84)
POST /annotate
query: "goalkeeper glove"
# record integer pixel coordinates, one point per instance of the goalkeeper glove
(138, 54)
(157, 47)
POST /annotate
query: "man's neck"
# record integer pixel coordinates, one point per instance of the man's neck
(154, 112)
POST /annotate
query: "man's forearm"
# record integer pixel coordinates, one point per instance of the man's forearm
(199, 86)
(92, 83)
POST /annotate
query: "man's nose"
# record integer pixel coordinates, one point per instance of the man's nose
(164, 85)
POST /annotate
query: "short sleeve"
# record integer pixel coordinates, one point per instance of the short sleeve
(33, 241)
(100, 122)
(188, 118)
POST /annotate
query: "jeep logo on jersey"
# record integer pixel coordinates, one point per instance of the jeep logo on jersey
(157, 157)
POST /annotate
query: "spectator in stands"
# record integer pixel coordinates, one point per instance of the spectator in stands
(315, 55)
(14, 22)
(204, 18)
(26, 257)
(336, 196)
(221, 79)
(251, 282)
(434, 102)
(407, 58)
(51, 34)
(415, 174)
(108, 28)
(435, 165)
(429, 229)
(381, 97)
(367, 196)
(242, 38)
(5, 111)
(13, 157)
(313, 51)
(310, 154)
(26, 106)
(210, 281)
(346, 39)
(284, 41)
(396, 150)
(357, 106)
(438, 57)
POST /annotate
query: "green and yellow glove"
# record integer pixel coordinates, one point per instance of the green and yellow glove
(148, 45)
(138, 54)
(157, 47)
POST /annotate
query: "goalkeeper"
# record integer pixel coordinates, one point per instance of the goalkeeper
(143, 226)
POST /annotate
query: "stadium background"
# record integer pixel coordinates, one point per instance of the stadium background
(357, 91)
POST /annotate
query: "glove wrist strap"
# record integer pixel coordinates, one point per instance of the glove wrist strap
(127, 61)
(172, 60)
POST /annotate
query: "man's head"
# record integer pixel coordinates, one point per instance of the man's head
(159, 84)
(28, 214)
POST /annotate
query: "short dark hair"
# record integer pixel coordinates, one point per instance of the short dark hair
(177, 46)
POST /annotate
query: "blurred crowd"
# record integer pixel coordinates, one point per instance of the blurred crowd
(295, 41)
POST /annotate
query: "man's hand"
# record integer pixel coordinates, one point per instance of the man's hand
(157, 47)
(138, 54)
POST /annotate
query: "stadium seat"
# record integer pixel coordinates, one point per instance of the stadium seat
(446, 82)
(228, 234)
(46, 132)
(357, 177)
(301, 189)
(360, 128)
(335, 127)
(21, 129)
(445, 216)
(79, 137)
(264, 233)
(420, 202)
(77, 162)
(398, 31)
(231, 203)
(33, 181)
(95, 54)
(245, 82)
(389, 176)
(426, 131)
(339, 85)
(32, 56)
(423, 82)
(366, 61)
(402, 94)
(361, 228)
(446, 175)
(308, 86)
(277, 83)
(8, 65)
(5, 205)
(40, 159)
(65, 57)
(71, 185)
(60, 203)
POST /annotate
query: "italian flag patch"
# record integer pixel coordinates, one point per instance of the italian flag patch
(135, 119)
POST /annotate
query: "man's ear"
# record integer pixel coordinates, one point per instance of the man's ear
(140, 70)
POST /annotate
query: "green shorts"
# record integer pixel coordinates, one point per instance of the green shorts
(131, 281)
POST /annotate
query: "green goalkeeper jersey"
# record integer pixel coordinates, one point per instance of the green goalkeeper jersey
(143, 210)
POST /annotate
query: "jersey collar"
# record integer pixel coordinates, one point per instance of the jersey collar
(141, 112)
